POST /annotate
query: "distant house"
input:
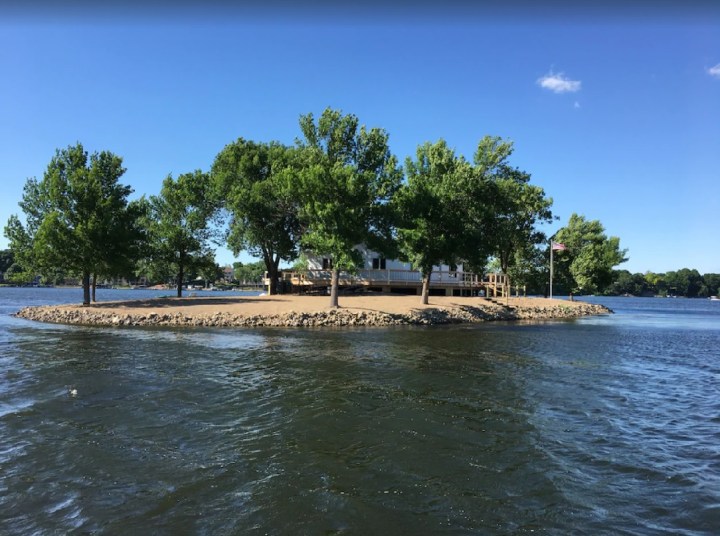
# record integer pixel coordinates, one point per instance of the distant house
(379, 274)
(228, 274)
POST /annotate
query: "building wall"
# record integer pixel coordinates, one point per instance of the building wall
(319, 263)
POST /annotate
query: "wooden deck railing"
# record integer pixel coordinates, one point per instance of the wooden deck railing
(394, 278)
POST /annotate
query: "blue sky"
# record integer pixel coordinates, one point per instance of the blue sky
(616, 114)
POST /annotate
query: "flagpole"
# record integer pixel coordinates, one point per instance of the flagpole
(551, 267)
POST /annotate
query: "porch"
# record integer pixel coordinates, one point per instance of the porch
(442, 282)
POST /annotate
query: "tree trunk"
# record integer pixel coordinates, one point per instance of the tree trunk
(86, 288)
(94, 287)
(426, 286)
(334, 288)
(273, 270)
(507, 289)
(180, 277)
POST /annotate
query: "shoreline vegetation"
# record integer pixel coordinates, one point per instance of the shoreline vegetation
(308, 311)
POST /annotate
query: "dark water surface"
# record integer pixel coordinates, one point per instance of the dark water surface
(605, 425)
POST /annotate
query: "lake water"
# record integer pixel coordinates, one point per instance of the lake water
(603, 425)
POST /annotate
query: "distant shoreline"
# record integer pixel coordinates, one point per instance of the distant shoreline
(308, 311)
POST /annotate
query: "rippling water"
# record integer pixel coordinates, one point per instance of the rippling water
(605, 425)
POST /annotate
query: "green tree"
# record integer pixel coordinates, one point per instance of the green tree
(479, 201)
(587, 264)
(655, 282)
(7, 259)
(256, 182)
(529, 269)
(249, 273)
(625, 282)
(77, 217)
(684, 282)
(711, 285)
(180, 226)
(21, 247)
(517, 206)
(430, 226)
(348, 176)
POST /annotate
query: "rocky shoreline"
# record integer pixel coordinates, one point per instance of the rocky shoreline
(487, 311)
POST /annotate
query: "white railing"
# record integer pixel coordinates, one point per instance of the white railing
(393, 277)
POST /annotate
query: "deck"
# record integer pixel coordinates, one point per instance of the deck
(448, 283)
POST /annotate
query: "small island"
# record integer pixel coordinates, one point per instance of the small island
(309, 311)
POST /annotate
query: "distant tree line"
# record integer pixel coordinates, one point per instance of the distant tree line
(686, 282)
(337, 187)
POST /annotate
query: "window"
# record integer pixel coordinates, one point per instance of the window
(327, 264)
(379, 263)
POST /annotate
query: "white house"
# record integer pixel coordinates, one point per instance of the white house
(391, 275)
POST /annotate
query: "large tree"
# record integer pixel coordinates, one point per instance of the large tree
(501, 209)
(587, 263)
(347, 178)
(430, 224)
(520, 207)
(180, 226)
(77, 217)
(256, 182)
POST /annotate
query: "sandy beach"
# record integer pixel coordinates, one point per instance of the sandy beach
(293, 310)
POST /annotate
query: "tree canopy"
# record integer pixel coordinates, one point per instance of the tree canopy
(257, 182)
(338, 188)
(348, 177)
(430, 226)
(587, 263)
(180, 226)
(77, 217)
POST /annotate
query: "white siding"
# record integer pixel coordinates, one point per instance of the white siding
(316, 262)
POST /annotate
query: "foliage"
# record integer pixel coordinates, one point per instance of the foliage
(684, 282)
(77, 218)
(302, 263)
(7, 259)
(521, 207)
(347, 178)
(430, 226)
(710, 285)
(505, 209)
(249, 273)
(587, 263)
(180, 226)
(529, 269)
(625, 282)
(257, 182)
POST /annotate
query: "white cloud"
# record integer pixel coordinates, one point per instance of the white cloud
(559, 83)
(714, 71)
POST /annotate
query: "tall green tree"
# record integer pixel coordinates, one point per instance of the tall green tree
(480, 202)
(501, 209)
(520, 208)
(430, 226)
(348, 176)
(77, 217)
(587, 264)
(257, 184)
(180, 226)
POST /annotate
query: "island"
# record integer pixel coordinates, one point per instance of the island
(309, 311)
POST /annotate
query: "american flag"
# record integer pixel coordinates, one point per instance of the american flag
(557, 246)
